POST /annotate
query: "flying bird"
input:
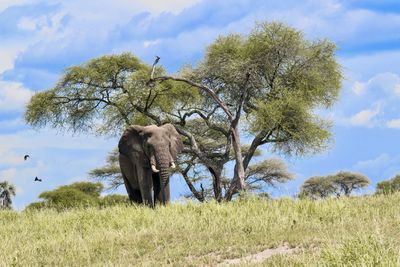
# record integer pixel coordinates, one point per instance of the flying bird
(26, 157)
(37, 179)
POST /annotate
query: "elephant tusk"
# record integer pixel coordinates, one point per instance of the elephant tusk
(173, 165)
(153, 168)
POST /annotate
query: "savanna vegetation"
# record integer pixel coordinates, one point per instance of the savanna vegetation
(266, 86)
(78, 194)
(389, 186)
(342, 183)
(349, 231)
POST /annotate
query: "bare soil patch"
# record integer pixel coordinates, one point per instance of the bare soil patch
(260, 256)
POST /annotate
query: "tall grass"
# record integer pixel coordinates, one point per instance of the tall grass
(359, 231)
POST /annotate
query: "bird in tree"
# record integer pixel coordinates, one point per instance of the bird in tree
(7, 190)
(26, 157)
(37, 179)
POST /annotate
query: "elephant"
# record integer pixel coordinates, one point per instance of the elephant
(146, 156)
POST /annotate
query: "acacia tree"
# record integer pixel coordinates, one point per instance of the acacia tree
(110, 172)
(346, 182)
(389, 186)
(317, 187)
(342, 183)
(266, 84)
(275, 78)
(7, 191)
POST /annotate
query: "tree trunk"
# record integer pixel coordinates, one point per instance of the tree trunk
(217, 185)
(238, 182)
(254, 144)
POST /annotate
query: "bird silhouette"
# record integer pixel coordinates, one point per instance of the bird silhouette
(26, 157)
(157, 59)
(37, 179)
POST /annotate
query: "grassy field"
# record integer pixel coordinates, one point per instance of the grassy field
(359, 231)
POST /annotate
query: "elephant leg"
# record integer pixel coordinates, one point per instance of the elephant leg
(136, 196)
(146, 185)
(156, 188)
(160, 195)
(130, 181)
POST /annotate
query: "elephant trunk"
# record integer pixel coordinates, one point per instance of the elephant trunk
(163, 159)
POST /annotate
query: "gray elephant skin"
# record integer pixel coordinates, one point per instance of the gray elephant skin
(146, 156)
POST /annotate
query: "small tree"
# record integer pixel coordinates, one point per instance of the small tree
(342, 183)
(110, 172)
(346, 182)
(76, 195)
(267, 172)
(7, 191)
(317, 187)
(389, 186)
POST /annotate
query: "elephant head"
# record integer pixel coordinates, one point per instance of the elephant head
(159, 145)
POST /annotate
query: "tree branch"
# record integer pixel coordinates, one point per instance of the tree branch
(203, 88)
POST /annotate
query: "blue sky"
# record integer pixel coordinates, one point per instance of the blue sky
(38, 39)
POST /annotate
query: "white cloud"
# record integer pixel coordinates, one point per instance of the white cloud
(27, 24)
(8, 54)
(378, 162)
(395, 123)
(358, 88)
(173, 6)
(13, 96)
(11, 123)
(50, 139)
(397, 89)
(382, 167)
(150, 43)
(386, 82)
(8, 3)
(365, 117)
(9, 157)
(364, 66)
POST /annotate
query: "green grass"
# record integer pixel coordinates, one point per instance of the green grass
(359, 231)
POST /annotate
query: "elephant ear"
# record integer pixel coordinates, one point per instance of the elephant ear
(176, 144)
(131, 140)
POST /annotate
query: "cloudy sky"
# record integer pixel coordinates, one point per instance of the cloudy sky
(38, 39)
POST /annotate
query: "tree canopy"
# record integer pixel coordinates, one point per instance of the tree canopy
(347, 182)
(340, 184)
(388, 187)
(266, 84)
(78, 194)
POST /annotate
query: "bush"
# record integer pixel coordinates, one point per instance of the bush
(80, 194)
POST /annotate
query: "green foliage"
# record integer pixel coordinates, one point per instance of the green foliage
(104, 95)
(286, 78)
(297, 130)
(360, 231)
(389, 186)
(79, 194)
(269, 171)
(341, 183)
(317, 187)
(112, 200)
(346, 182)
(110, 172)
